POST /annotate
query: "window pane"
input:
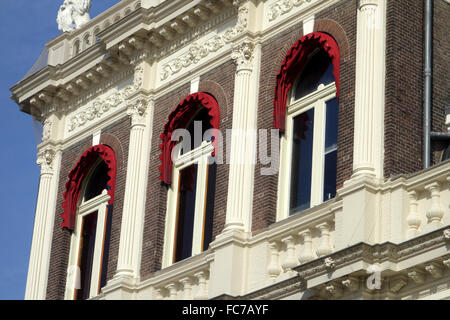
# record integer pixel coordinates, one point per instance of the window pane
(318, 70)
(329, 188)
(89, 226)
(186, 212)
(331, 130)
(202, 117)
(98, 181)
(302, 148)
(106, 243)
(209, 209)
(331, 133)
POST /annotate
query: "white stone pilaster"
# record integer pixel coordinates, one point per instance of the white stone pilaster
(130, 249)
(369, 92)
(49, 160)
(246, 55)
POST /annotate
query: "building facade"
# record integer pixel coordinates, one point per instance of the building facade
(305, 176)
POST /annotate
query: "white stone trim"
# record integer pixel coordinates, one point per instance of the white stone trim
(39, 263)
(317, 101)
(200, 157)
(98, 204)
(368, 154)
(131, 237)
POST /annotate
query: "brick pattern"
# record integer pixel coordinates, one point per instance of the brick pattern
(220, 84)
(404, 87)
(441, 73)
(117, 137)
(340, 22)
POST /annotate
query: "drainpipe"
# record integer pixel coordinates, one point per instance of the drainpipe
(428, 81)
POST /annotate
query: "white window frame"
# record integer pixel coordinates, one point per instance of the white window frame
(316, 100)
(97, 204)
(199, 156)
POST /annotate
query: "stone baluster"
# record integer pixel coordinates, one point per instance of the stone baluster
(202, 293)
(307, 252)
(274, 269)
(187, 288)
(414, 220)
(435, 213)
(325, 247)
(290, 262)
(172, 288)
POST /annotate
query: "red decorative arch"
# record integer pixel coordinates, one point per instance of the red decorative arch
(293, 64)
(180, 118)
(78, 174)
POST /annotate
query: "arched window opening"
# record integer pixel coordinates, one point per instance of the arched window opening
(88, 211)
(309, 170)
(97, 182)
(191, 192)
(76, 47)
(86, 41)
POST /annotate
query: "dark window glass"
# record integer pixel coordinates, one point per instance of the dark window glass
(88, 231)
(302, 148)
(446, 154)
(209, 209)
(202, 117)
(186, 212)
(331, 133)
(97, 182)
(318, 70)
(104, 266)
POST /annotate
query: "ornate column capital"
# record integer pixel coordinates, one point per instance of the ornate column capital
(370, 5)
(45, 161)
(137, 110)
(242, 55)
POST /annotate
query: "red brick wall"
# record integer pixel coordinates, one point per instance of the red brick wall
(404, 87)
(219, 83)
(441, 72)
(340, 22)
(117, 137)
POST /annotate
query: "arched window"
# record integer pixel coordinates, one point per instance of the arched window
(189, 145)
(309, 146)
(76, 47)
(86, 41)
(87, 213)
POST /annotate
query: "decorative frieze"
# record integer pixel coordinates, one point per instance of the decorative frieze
(101, 106)
(283, 7)
(199, 51)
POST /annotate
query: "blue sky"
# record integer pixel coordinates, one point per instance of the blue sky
(25, 27)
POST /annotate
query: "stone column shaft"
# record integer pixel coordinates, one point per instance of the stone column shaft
(39, 262)
(243, 141)
(131, 235)
(369, 92)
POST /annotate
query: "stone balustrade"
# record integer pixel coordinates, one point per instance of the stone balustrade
(428, 201)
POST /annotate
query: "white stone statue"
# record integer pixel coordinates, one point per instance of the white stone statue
(73, 14)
